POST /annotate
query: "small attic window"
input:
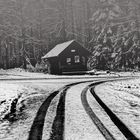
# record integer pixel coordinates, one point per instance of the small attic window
(72, 50)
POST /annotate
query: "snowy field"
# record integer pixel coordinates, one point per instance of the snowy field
(19, 101)
(16, 125)
(123, 97)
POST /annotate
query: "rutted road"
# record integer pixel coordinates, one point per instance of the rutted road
(75, 119)
(53, 112)
(78, 125)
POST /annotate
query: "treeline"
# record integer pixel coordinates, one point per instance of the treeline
(108, 28)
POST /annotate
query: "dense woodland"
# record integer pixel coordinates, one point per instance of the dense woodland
(110, 29)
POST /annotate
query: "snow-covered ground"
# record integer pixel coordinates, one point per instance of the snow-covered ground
(123, 97)
(19, 73)
(78, 125)
(104, 118)
(30, 96)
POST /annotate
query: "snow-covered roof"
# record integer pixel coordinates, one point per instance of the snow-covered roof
(57, 49)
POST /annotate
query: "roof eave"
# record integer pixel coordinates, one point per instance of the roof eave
(48, 57)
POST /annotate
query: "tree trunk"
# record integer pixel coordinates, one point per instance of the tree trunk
(6, 56)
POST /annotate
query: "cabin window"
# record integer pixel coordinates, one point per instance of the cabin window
(83, 60)
(68, 60)
(77, 59)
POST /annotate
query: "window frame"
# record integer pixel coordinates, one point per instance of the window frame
(68, 60)
(77, 59)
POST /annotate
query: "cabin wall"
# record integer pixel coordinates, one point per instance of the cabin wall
(73, 58)
(72, 53)
(53, 65)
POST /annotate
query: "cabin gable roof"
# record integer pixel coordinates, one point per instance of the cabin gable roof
(58, 49)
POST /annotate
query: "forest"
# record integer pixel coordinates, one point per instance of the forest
(110, 29)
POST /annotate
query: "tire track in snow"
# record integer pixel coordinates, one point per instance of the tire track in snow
(38, 123)
(37, 126)
(78, 125)
(121, 126)
(94, 118)
(58, 124)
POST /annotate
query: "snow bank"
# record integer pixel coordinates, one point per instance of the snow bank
(18, 73)
(8, 92)
(14, 71)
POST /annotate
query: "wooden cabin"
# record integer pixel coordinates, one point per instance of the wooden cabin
(68, 57)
